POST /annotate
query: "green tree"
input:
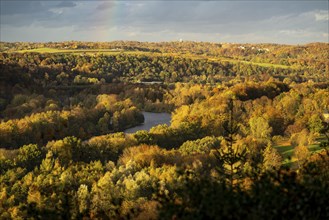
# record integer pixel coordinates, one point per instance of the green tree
(259, 127)
(272, 159)
(48, 163)
(301, 153)
(83, 199)
(29, 156)
(315, 123)
(105, 198)
(231, 158)
(200, 146)
(104, 123)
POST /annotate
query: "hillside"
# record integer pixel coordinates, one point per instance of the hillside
(247, 137)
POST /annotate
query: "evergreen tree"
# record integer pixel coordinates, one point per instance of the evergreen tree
(230, 157)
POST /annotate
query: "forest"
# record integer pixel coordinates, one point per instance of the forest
(248, 136)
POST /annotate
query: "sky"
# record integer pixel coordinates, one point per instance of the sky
(269, 21)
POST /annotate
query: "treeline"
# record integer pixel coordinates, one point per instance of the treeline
(61, 157)
(272, 51)
(69, 69)
(74, 72)
(108, 115)
(313, 55)
(289, 110)
(199, 175)
(232, 171)
(267, 109)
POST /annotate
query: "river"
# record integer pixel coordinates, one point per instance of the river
(151, 120)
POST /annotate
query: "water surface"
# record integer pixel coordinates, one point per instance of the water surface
(151, 120)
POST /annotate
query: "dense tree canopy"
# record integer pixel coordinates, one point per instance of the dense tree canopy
(247, 137)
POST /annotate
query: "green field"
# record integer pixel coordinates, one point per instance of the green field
(287, 151)
(55, 50)
(252, 63)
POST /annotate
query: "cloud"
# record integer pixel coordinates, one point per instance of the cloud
(66, 4)
(105, 5)
(57, 10)
(322, 15)
(242, 21)
(326, 35)
(20, 7)
(297, 33)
